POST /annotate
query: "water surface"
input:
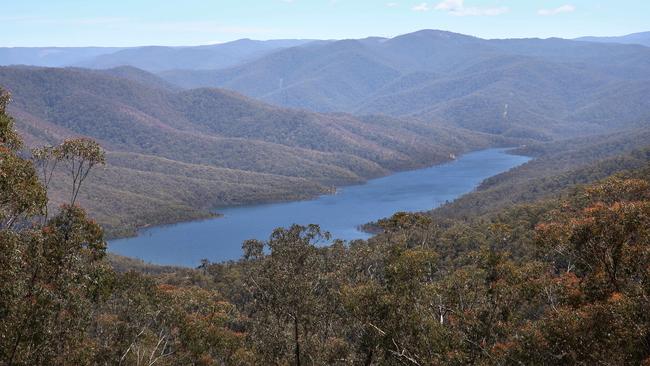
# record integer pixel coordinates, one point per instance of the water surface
(220, 239)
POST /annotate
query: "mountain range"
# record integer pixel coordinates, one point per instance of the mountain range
(258, 121)
(204, 57)
(642, 38)
(521, 88)
(152, 58)
(179, 153)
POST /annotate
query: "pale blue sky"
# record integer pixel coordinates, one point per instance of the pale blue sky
(192, 22)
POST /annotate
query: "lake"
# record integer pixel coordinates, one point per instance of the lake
(220, 239)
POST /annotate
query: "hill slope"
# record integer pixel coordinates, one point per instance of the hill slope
(557, 166)
(202, 148)
(520, 87)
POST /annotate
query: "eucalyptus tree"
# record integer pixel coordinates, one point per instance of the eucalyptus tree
(289, 279)
(52, 270)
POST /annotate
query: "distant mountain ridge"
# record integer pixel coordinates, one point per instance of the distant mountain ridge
(207, 57)
(158, 58)
(151, 58)
(533, 88)
(50, 56)
(641, 38)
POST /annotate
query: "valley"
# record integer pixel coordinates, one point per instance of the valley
(340, 214)
(177, 146)
(298, 183)
(174, 155)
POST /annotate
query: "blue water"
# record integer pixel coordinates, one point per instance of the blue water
(220, 239)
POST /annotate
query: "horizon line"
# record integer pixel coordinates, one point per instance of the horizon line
(322, 39)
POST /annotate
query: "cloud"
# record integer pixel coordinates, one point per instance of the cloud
(421, 7)
(568, 8)
(450, 5)
(458, 8)
(392, 5)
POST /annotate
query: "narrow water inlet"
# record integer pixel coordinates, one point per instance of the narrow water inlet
(220, 239)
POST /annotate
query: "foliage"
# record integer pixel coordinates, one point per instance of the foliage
(53, 270)
(558, 167)
(560, 281)
(291, 292)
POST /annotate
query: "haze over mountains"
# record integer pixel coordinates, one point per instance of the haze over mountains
(51, 56)
(209, 57)
(157, 58)
(316, 113)
(530, 87)
(152, 58)
(642, 38)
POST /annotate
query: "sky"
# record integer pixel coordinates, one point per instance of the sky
(192, 22)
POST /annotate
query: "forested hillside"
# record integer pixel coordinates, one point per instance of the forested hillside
(557, 167)
(175, 155)
(533, 88)
(564, 280)
(415, 99)
(324, 182)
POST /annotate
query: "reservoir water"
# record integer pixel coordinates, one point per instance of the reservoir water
(220, 239)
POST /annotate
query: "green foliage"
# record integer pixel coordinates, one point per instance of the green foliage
(59, 275)
(146, 323)
(8, 137)
(53, 272)
(290, 290)
(80, 155)
(21, 193)
(62, 304)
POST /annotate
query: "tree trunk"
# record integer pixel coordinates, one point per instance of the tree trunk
(297, 340)
(369, 356)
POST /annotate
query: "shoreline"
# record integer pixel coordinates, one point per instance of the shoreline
(218, 242)
(209, 214)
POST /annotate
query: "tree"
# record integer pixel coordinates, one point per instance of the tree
(53, 271)
(8, 136)
(599, 243)
(288, 288)
(21, 194)
(390, 295)
(80, 155)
